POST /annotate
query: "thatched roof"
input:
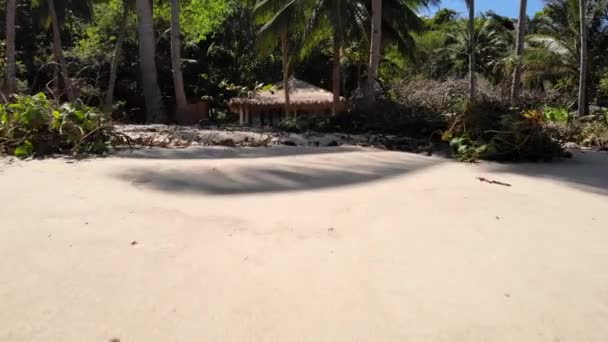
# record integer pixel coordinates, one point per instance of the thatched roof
(303, 96)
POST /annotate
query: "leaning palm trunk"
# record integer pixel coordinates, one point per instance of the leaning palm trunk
(109, 101)
(582, 86)
(519, 52)
(147, 55)
(336, 74)
(178, 77)
(472, 48)
(11, 60)
(374, 51)
(285, 51)
(58, 51)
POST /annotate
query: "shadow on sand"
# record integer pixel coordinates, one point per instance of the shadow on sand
(333, 168)
(313, 168)
(587, 171)
(207, 152)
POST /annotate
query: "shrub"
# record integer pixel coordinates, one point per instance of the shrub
(594, 134)
(586, 133)
(34, 125)
(522, 137)
(449, 96)
(388, 116)
(516, 137)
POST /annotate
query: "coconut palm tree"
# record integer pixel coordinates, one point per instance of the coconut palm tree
(178, 78)
(472, 64)
(122, 30)
(374, 50)
(519, 52)
(279, 18)
(11, 60)
(553, 54)
(147, 54)
(493, 42)
(582, 84)
(391, 21)
(337, 20)
(350, 20)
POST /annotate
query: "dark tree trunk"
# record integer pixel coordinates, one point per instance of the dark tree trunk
(285, 51)
(178, 77)
(11, 59)
(336, 74)
(122, 30)
(58, 51)
(472, 49)
(374, 52)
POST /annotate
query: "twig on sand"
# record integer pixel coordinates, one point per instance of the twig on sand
(489, 181)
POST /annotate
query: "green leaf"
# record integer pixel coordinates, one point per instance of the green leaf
(24, 150)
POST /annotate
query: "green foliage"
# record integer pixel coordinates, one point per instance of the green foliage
(34, 125)
(467, 150)
(603, 84)
(555, 114)
(198, 18)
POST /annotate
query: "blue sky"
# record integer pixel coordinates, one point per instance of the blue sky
(504, 7)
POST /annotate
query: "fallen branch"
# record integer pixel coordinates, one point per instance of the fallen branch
(489, 181)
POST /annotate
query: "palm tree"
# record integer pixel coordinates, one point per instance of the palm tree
(472, 64)
(391, 21)
(147, 54)
(178, 78)
(122, 30)
(492, 48)
(374, 50)
(560, 46)
(582, 85)
(278, 17)
(11, 61)
(519, 52)
(338, 17)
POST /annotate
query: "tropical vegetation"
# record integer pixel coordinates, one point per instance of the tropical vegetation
(457, 77)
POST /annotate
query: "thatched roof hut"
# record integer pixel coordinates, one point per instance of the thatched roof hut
(305, 98)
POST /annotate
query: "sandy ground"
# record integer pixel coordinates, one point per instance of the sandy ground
(294, 244)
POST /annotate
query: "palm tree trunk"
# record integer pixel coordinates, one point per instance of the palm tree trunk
(336, 74)
(472, 49)
(58, 51)
(359, 76)
(582, 86)
(178, 77)
(11, 60)
(519, 52)
(122, 30)
(147, 55)
(285, 51)
(374, 51)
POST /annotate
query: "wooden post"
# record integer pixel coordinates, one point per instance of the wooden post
(241, 116)
(247, 115)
